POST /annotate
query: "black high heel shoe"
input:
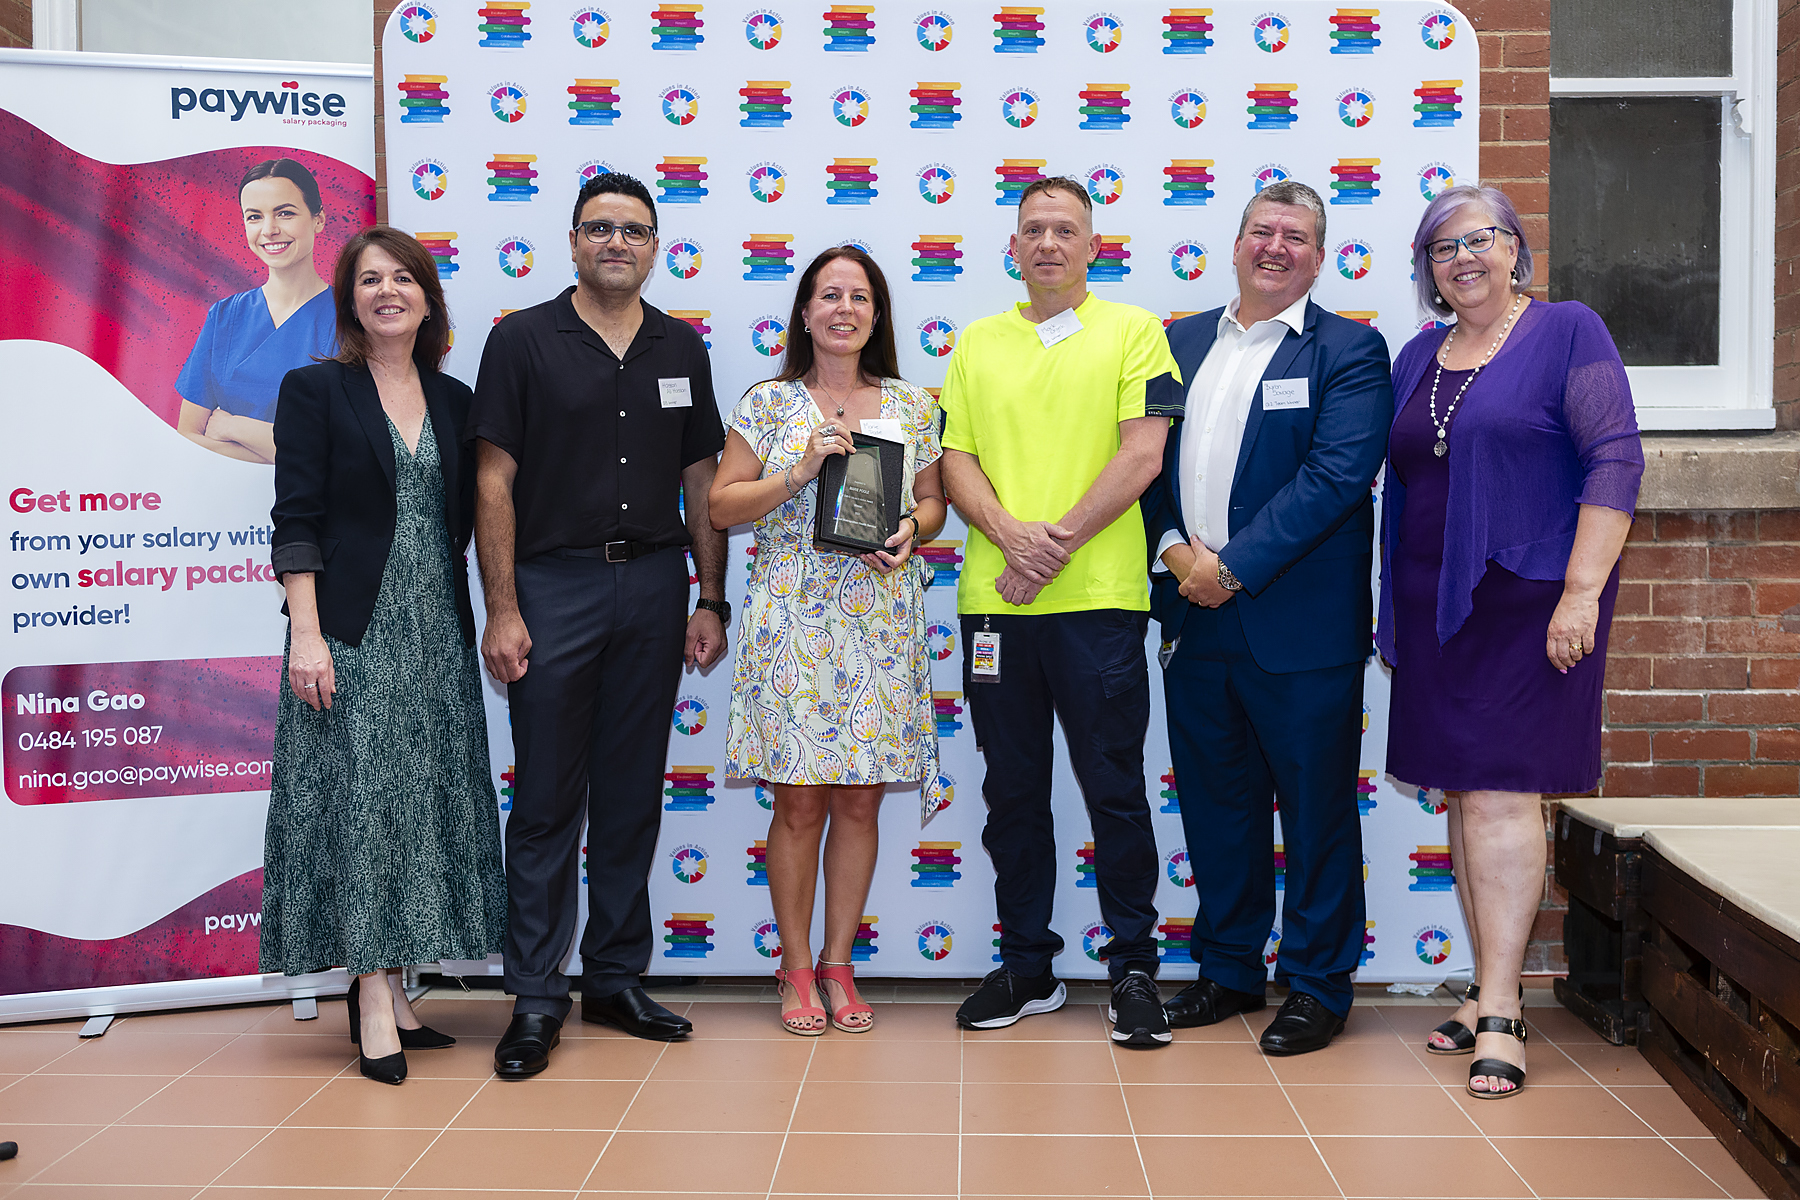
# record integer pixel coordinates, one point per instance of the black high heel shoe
(1497, 1067)
(422, 1038)
(1460, 1035)
(392, 1068)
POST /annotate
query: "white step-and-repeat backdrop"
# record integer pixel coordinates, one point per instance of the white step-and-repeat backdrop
(768, 134)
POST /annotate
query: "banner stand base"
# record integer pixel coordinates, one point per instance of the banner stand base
(108, 1002)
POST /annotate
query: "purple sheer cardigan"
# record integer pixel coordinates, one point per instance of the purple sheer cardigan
(1547, 426)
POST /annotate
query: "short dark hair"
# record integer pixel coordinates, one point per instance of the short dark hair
(1058, 183)
(294, 173)
(878, 359)
(1294, 194)
(609, 183)
(433, 340)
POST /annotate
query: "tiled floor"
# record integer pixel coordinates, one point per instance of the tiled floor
(249, 1103)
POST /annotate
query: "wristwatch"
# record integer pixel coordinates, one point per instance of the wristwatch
(1227, 580)
(722, 607)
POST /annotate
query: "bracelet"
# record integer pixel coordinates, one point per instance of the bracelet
(912, 516)
(787, 477)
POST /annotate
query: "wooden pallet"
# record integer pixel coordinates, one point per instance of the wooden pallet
(1603, 930)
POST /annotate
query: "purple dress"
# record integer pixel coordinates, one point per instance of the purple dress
(1475, 545)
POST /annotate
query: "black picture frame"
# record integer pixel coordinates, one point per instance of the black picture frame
(856, 515)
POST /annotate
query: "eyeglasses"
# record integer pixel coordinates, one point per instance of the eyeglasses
(601, 232)
(1478, 241)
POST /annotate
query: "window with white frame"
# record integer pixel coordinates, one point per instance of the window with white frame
(1662, 197)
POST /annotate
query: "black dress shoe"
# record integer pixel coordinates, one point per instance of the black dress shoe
(1301, 1026)
(1204, 1002)
(525, 1048)
(635, 1013)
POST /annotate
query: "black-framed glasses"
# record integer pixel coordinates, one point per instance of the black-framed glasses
(1478, 241)
(601, 232)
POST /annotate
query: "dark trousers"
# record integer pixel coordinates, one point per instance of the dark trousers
(590, 723)
(1088, 668)
(1240, 737)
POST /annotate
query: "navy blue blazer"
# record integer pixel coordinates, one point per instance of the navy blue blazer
(1302, 507)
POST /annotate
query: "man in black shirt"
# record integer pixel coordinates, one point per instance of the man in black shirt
(593, 416)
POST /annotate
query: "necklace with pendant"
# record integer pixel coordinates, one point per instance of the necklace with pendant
(836, 402)
(1443, 427)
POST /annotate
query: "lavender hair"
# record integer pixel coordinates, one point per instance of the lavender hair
(1439, 211)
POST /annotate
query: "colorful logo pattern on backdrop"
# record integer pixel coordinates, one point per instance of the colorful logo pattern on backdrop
(934, 31)
(676, 27)
(681, 180)
(1354, 259)
(1177, 937)
(690, 715)
(1438, 99)
(510, 176)
(850, 107)
(682, 258)
(1273, 106)
(429, 179)
(1353, 181)
(1084, 866)
(442, 248)
(767, 181)
(852, 181)
(1270, 33)
(595, 102)
(1432, 945)
(937, 183)
(850, 28)
(689, 936)
(1362, 316)
(1010, 263)
(1365, 778)
(945, 709)
(680, 105)
(1105, 33)
(769, 257)
(1180, 870)
(1103, 106)
(1368, 950)
(506, 788)
(1019, 107)
(1438, 29)
(765, 104)
(508, 103)
(697, 318)
(1017, 174)
(1280, 866)
(1353, 30)
(688, 863)
(1269, 173)
(690, 787)
(762, 29)
(937, 336)
(940, 642)
(765, 938)
(1187, 31)
(768, 335)
(935, 940)
(1189, 182)
(424, 99)
(1187, 260)
(1435, 179)
(1170, 795)
(516, 255)
(503, 24)
(1105, 184)
(1356, 107)
(1432, 804)
(1095, 938)
(1431, 870)
(1110, 265)
(1187, 108)
(591, 28)
(864, 947)
(934, 105)
(945, 558)
(937, 258)
(758, 866)
(1018, 30)
(934, 864)
(418, 22)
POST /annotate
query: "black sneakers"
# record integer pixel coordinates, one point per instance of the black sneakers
(1004, 997)
(1137, 1013)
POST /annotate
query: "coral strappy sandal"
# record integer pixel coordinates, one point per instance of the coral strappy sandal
(802, 980)
(843, 974)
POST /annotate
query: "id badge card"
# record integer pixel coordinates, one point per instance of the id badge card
(984, 656)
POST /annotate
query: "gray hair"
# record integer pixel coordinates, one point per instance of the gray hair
(1288, 191)
(1441, 210)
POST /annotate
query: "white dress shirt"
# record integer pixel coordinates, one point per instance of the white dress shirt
(1218, 407)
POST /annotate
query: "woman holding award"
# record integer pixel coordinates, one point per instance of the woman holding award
(831, 694)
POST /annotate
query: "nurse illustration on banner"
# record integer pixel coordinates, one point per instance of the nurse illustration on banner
(229, 382)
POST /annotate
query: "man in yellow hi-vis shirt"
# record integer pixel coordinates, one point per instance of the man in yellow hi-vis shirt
(1047, 446)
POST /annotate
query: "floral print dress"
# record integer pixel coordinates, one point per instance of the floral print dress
(832, 681)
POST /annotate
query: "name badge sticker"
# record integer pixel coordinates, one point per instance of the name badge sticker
(675, 393)
(1281, 395)
(1063, 324)
(886, 428)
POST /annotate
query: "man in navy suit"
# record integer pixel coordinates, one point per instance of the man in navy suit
(1262, 529)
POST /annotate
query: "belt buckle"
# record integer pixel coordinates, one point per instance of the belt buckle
(624, 552)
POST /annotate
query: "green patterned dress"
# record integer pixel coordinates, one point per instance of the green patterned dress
(383, 841)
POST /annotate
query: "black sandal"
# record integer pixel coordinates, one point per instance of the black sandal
(1460, 1035)
(1497, 1067)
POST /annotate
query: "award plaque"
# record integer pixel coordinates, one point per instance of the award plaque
(859, 496)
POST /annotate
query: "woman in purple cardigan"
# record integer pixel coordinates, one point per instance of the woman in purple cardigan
(1512, 472)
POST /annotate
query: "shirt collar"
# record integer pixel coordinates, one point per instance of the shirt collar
(569, 321)
(1293, 316)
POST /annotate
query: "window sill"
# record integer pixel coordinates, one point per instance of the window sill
(1720, 472)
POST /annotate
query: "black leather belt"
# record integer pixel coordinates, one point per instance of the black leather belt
(615, 552)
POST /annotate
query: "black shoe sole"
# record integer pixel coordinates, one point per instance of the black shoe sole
(1031, 1008)
(1140, 1038)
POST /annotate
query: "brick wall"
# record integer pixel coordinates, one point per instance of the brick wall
(1515, 115)
(1705, 658)
(15, 24)
(1787, 217)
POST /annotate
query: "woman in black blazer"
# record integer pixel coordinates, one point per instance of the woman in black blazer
(383, 841)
